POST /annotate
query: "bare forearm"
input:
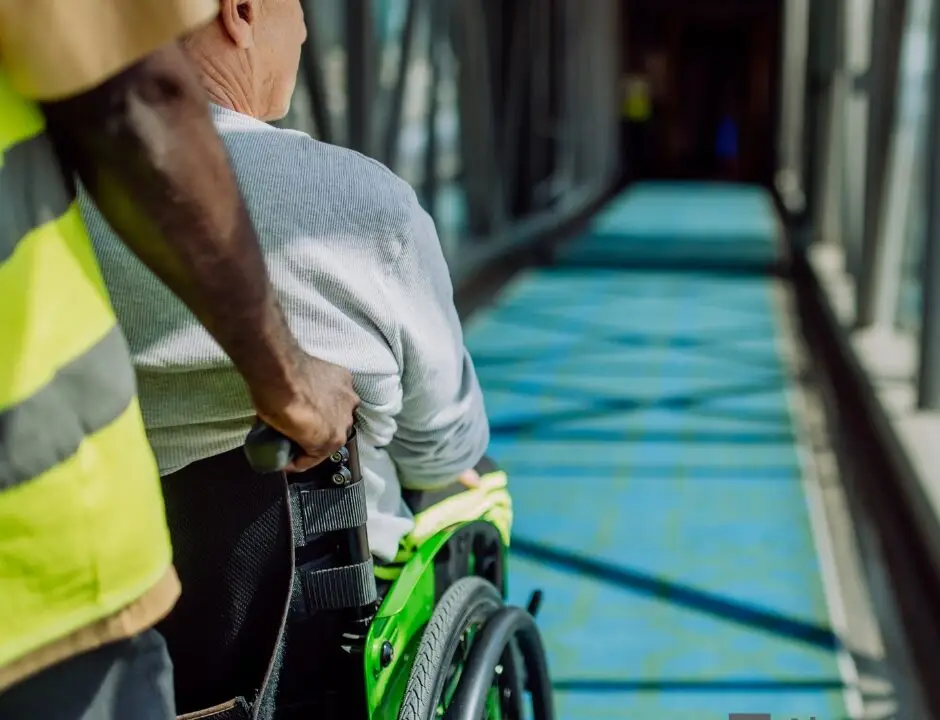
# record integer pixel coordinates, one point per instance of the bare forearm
(144, 146)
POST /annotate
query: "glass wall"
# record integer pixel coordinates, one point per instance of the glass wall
(878, 163)
(501, 115)
(790, 180)
(913, 87)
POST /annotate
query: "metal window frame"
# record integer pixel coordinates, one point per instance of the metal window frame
(360, 73)
(790, 181)
(888, 174)
(312, 69)
(395, 102)
(572, 100)
(827, 40)
(855, 118)
(928, 380)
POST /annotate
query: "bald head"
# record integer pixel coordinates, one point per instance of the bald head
(249, 55)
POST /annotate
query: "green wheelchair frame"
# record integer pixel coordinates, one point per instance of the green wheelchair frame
(442, 643)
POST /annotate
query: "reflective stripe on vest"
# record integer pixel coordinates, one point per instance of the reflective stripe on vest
(24, 206)
(82, 529)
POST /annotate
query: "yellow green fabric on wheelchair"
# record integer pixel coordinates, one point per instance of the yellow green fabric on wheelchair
(489, 501)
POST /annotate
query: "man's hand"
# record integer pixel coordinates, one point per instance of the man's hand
(319, 413)
(470, 479)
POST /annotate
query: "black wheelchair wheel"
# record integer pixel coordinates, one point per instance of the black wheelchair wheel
(445, 645)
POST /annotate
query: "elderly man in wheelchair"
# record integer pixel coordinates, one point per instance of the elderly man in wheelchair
(371, 586)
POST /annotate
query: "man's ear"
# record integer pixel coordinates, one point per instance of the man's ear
(238, 19)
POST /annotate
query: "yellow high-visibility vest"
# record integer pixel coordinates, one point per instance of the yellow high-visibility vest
(82, 525)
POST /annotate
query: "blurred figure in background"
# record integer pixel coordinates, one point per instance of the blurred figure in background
(97, 88)
(727, 142)
(636, 132)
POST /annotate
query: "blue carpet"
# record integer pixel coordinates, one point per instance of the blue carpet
(643, 418)
(705, 223)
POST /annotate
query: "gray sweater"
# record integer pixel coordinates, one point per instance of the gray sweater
(358, 268)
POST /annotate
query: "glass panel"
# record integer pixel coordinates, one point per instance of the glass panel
(412, 146)
(854, 116)
(412, 140)
(914, 79)
(389, 17)
(450, 207)
(790, 180)
(329, 18)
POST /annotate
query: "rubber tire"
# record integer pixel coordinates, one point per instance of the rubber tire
(468, 601)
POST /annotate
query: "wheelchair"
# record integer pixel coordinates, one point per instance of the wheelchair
(438, 641)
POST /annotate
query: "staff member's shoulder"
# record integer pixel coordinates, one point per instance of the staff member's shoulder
(53, 49)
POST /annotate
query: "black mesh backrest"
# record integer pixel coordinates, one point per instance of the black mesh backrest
(232, 549)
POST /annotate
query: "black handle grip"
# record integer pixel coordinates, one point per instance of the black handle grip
(268, 450)
(271, 451)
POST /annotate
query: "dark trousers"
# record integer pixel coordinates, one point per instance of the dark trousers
(636, 151)
(129, 679)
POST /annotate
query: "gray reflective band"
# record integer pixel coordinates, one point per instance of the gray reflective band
(33, 190)
(319, 510)
(84, 396)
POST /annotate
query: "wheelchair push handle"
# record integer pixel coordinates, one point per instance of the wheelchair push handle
(269, 450)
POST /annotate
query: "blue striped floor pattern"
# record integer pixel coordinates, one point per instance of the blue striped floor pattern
(643, 418)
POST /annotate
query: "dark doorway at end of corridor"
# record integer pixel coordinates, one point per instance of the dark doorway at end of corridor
(699, 89)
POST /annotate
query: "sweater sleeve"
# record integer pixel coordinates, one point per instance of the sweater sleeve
(442, 428)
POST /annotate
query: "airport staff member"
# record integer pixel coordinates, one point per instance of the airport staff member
(636, 111)
(96, 87)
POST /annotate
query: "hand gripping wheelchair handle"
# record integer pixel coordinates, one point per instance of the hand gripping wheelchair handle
(335, 597)
(269, 450)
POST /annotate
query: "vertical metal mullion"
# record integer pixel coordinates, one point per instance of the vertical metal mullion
(815, 108)
(812, 118)
(619, 38)
(888, 268)
(557, 88)
(575, 21)
(569, 94)
(928, 386)
(520, 62)
(905, 145)
(793, 66)
(438, 25)
(830, 59)
(887, 38)
(856, 109)
(604, 89)
(312, 61)
(359, 73)
(597, 90)
(585, 121)
(540, 111)
(393, 121)
(590, 90)
(470, 152)
(482, 176)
